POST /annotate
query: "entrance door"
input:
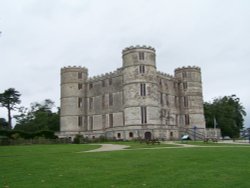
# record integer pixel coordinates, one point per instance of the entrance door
(147, 135)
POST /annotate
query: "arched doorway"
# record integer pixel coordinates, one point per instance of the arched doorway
(147, 135)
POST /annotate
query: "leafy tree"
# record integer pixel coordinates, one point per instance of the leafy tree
(229, 114)
(39, 117)
(3, 123)
(9, 99)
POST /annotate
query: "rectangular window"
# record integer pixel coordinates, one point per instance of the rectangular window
(86, 123)
(185, 85)
(79, 102)
(187, 119)
(90, 103)
(184, 74)
(185, 101)
(103, 83)
(110, 99)
(103, 101)
(103, 121)
(90, 85)
(142, 69)
(91, 123)
(111, 120)
(141, 55)
(79, 121)
(167, 100)
(176, 101)
(79, 75)
(143, 115)
(79, 86)
(161, 98)
(160, 82)
(143, 89)
(110, 81)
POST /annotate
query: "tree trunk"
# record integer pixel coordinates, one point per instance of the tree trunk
(9, 119)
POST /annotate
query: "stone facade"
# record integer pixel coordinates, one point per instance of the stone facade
(135, 101)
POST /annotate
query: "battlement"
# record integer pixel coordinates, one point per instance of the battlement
(138, 47)
(74, 69)
(164, 75)
(117, 72)
(188, 68)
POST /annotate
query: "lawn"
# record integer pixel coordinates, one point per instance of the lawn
(62, 166)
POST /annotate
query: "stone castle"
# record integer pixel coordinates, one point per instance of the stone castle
(135, 101)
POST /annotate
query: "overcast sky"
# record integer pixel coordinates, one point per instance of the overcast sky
(41, 36)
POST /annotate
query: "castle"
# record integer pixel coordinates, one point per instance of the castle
(135, 101)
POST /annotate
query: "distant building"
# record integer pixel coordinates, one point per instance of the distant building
(134, 101)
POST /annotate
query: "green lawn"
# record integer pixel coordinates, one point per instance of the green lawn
(62, 166)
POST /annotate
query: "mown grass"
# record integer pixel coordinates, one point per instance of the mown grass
(61, 166)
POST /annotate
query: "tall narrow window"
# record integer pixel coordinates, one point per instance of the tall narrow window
(103, 121)
(184, 85)
(103, 101)
(142, 69)
(161, 98)
(185, 101)
(79, 102)
(86, 123)
(79, 86)
(167, 100)
(103, 83)
(91, 123)
(176, 101)
(111, 120)
(90, 85)
(143, 115)
(141, 55)
(184, 74)
(79, 75)
(110, 81)
(187, 121)
(90, 103)
(79, 121)
(143, 89)
(110, 99)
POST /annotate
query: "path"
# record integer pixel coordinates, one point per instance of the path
(109, 147)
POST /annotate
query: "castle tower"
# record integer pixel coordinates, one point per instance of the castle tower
(73, 92)
(191, 97)
(140, 90)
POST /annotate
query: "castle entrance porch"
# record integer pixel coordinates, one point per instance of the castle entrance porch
(147, 135)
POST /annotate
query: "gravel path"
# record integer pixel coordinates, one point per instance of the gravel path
(109, 147)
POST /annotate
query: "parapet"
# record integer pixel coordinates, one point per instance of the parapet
(74, 69)
(165, 75)
(188, 68)
(144, 47)
(115, 73)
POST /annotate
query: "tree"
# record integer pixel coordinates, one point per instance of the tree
(39, 117)
(229, 114)
(9, 99)
(3, 123)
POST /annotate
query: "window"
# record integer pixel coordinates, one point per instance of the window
(185, 101)
(131, 135)
(90, 85)
(185, 85)
(85, 123)
(79, 75)
(176, 101)
(110, 99)
(79, 102)
(143, 89)
(110, 81)
(167, 100)
(91, 123)
(143, 115)
(161, 98)
(141, 55)
(103, 83)
(111, 120)
(90, 103)
(79, 86)
(103, 121)
(142, 69)
(118, 135)
(184, 74)
(79, 121)
(187, 119)
(103, 101)
(160, 82)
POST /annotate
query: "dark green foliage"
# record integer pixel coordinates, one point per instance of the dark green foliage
(39, 117)
(9, 99)
(16, 134)
(3, 124)
(229, 114)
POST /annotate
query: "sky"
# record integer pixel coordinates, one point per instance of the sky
(39, 37)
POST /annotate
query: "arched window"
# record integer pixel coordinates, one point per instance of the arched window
(118, 135)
